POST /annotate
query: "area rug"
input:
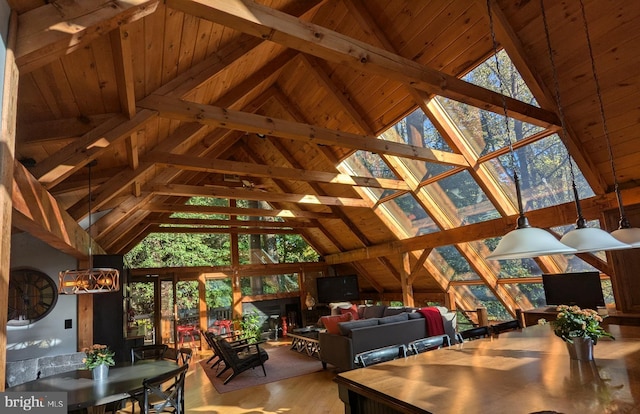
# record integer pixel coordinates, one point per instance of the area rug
(282, 363)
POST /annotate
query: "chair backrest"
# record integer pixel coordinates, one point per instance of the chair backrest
(474, 333)
(184, 356)
(506, 326)
(165, 393)
(376, 356)
(148, 352)
(427, 344)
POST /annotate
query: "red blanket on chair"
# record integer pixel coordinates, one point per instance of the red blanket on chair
(433, 319)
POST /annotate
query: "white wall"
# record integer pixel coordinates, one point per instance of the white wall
(47, 336)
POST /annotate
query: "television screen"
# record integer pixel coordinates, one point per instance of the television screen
(582, 289)
(338, 289)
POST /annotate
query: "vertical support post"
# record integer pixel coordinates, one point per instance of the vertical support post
(483, 316)
(407, 288)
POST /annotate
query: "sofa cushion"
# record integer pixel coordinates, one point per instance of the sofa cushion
(331, 322)
(393, 310)
(346, 327)
(336, 306)
(401, 317)
(353, 310)
(374, 311)
(415, 315)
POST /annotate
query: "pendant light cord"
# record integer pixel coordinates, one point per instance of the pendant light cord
(522, 219)
(581, 222)
(624, 222)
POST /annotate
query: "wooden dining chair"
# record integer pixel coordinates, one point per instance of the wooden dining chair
(156, 352)
(165, 393)
(427, 344)
(473, 333)
(505, 326)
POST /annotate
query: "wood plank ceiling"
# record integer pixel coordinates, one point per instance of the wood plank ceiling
(172, 97)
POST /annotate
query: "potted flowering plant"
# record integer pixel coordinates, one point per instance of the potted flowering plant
(98, 355)
(573, 322)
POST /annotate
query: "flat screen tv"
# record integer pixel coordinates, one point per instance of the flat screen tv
(338, 289)
(583, 289)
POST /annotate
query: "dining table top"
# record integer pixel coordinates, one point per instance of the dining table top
(524, 371)
(83, 391)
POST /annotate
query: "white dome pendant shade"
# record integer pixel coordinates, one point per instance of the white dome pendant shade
(526, 241)
(625, 233)
(587, 239)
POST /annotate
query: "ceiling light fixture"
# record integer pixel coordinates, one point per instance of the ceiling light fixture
(584, 239)
(525, 241)
(625, 233)
(91, 280)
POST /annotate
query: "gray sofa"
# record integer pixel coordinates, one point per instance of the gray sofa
(393, 327)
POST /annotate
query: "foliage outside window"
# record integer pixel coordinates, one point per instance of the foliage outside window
(268, 285)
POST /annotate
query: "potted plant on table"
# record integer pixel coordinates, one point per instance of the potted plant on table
(99, 359)
(580, 329)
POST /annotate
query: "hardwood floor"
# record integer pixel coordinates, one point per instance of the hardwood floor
(307, 394)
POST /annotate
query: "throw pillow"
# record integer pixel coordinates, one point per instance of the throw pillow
(346, 327)
(352, 310)
(374, 311)
(401, 317)
(415, 315)
(331, 322)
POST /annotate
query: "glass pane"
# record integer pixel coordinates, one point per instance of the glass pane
(219, 296)
(545, 177)
(367, 164)
(409, 215)
(517, 267)
(275, 248)
(462, 199)
(485, 131)
(495, 309)
(140, 312)
(457, 267)
(266, 285)
(533, 291)
(188, 323)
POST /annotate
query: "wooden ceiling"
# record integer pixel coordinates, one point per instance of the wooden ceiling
(173, 97)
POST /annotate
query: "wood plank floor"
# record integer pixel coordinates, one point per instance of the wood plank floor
(314, 393)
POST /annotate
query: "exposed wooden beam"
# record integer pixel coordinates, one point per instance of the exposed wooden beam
(241, 194)
(56, 29)
(212, 230)
(254, 212)
(267, 171)
(228, 118)
(38, 213)
(558, 215)
(230, 223)
(38, 133)
(267, 23)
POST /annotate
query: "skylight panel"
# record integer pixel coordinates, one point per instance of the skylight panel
(545, 177)
(409, 215)
(462, 199)
(456, 266)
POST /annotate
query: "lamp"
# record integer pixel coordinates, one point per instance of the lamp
(582, 238)
(525, 241)
(91, 280)
(625, 233)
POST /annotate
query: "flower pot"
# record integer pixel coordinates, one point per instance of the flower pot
(101, 372)
(581, 349)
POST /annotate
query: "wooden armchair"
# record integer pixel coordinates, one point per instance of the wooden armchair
(240, 357)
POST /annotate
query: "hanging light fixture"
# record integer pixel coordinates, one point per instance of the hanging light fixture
(91, 280)
(625, 233)
(525, 241)
(582, 238)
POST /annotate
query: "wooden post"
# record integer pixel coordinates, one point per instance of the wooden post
(405, 273)
(483, 316)
(7, 156)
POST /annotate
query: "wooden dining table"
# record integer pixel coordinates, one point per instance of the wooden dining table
(526, 371)
(124, 380)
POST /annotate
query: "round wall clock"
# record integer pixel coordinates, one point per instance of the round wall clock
(32, 295)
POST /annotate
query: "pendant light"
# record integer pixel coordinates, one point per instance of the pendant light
(91, 280)
(625, 233)
(525, 241)
(582, 238)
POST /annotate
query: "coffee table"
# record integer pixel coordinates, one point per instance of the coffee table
(305, 341)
